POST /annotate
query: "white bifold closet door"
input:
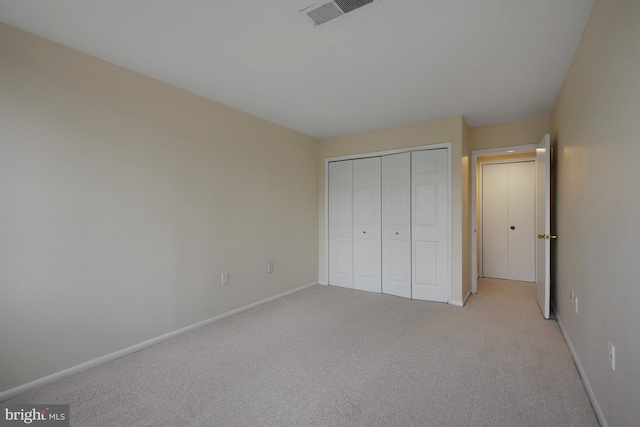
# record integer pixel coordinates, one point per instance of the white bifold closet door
(396, 225)
(341, 224)
(415, 225)
(389, 224)
(508, 221)
(354, 224)
(430, 225)
(366, 224)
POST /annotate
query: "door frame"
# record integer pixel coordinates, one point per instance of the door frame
(474, 269)
(447, 145)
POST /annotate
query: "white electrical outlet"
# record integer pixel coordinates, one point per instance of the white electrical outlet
(575, 303)
(612, 356)
(224, 278)
(269, 267)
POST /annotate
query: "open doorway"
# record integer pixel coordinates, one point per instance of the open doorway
(503, 214)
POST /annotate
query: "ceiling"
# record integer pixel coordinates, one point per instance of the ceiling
(391, 63)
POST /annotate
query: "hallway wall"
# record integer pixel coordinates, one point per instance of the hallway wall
(596, 128)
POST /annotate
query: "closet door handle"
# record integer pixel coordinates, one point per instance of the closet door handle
(397, 234)
(364, 232)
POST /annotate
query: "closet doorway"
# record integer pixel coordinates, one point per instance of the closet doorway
(508, 219)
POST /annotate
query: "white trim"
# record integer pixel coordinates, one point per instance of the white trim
(464, 300)
(41, 382)
(583, 375)
(388, 152)
(326, 220)
(449, 222)
(515, 149)
(447, 145)
(461, 303)
(514, 160)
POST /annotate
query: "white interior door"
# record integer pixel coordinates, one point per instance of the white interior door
(341, 224)
(396, 224)
(543, 224)
(508, 221)
(522, 225)
(366, 224)
(495, 241)
(430, 225)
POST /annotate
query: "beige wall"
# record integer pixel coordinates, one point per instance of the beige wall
(596, 126)
(414, 135)
(122, 201)
(521, 132)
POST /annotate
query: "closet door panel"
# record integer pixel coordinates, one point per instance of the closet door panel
(430, 225)
(495, 221)
(427, 270)
(521, 214)
(398, 263)
(396, 224)
(366, 224)
(341, 224)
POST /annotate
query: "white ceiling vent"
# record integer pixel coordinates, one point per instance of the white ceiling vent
(325, 11)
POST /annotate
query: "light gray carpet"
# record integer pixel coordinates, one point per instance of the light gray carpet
(335, 357)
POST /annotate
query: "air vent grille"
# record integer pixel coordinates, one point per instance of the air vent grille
(325, 11)
(349, 5)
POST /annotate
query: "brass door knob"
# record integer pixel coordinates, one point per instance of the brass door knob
(545, 236)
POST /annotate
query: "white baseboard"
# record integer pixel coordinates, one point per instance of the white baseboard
(583, 375)
(464, 301)
(459, 303)
(41, 382)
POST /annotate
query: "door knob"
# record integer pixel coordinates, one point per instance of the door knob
(397, 233)
(364, 232)
(513, 227)
(543, 236)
